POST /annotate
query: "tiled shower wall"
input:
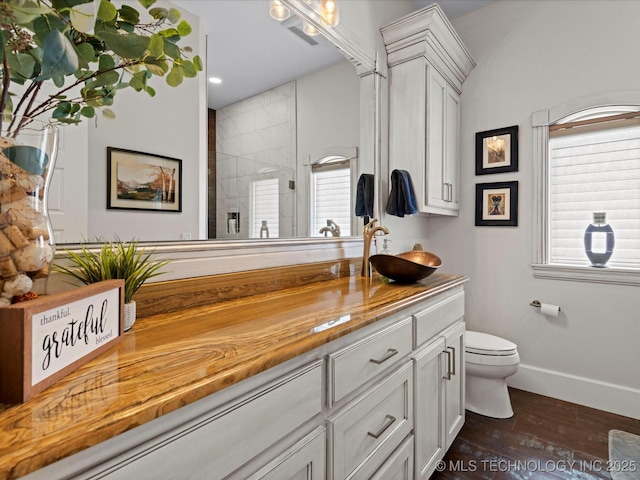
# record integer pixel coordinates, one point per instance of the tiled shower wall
(260, 128)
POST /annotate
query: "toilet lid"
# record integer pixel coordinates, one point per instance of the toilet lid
(486, 344)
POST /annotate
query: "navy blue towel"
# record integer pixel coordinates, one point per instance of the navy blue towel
(364, 196)
(402, 199)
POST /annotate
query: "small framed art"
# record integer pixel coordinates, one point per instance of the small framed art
(497, 204)
(143, 181)
(497, 151)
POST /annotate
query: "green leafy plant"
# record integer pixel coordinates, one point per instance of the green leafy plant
(114, 260)
(88, 49)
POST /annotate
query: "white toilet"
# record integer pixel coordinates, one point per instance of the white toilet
(489, 361)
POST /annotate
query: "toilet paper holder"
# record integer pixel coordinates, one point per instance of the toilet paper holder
(536, 303)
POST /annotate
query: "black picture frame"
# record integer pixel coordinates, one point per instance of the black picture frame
(497, 204)
(497, 151)
(143, 181)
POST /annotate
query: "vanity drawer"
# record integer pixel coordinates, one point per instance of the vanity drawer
(437, 317)
(370, 428)
(353, 366)
(215, 444)
(398, 466)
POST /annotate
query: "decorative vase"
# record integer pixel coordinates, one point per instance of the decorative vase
(599, 240)
(129, 315)
(28, 149)
(264, 230)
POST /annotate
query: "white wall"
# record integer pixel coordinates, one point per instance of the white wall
(533, 56)
(328, 112)
(328, 109)
(172, 124)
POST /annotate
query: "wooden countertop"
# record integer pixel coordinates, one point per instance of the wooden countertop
(169, 360)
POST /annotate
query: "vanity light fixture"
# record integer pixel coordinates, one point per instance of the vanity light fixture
(326, 9)
(310, 30)
(215, 80)
(278, 11)
(330, 12)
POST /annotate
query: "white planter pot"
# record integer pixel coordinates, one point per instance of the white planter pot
(129, 315)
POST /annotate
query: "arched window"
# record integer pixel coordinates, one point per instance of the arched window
(587, 161)
(332, 192)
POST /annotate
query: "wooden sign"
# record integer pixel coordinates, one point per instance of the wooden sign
(45, 339)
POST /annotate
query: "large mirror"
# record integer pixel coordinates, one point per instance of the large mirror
(299, 131)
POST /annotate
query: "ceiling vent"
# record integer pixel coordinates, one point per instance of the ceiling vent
(294, 25)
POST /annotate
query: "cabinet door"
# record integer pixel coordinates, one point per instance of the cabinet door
(454, 383)
(304, 461)
(437, 192)
(443, 132)
(408, 124)
(452, 150)
(429, 407)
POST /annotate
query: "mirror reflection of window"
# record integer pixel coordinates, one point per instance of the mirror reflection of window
(265, 209)
(331, 195)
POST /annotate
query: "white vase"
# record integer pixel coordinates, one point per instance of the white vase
(129, 315)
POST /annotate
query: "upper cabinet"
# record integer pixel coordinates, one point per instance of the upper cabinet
(427, 65)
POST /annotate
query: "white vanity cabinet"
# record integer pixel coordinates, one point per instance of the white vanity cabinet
(383, 402)
(427, 65)
(439, 380)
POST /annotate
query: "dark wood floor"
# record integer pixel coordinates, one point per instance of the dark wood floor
(545, 439)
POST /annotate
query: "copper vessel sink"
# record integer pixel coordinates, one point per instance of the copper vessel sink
(406, 267)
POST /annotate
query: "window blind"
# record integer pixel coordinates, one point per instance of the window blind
(331, 197)
(595, 171)
(265, 206)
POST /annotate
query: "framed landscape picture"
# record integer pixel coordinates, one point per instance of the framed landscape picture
(497, 151)
(497, 204)
(143, 181)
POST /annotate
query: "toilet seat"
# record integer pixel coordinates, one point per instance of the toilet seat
(485, 344)
(488, 361)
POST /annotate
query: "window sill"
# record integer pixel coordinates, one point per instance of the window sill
(615, 276)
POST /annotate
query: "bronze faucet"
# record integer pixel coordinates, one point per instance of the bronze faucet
(369, 232)
(332, 227)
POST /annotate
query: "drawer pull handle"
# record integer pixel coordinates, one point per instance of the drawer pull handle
(390, 353)
(453, 358)
(388, 422)
(451, 362)
(447, 376)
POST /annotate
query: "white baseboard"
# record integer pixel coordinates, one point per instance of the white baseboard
(581, 390)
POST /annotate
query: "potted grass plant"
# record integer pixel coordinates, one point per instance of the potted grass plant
(114, 260)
